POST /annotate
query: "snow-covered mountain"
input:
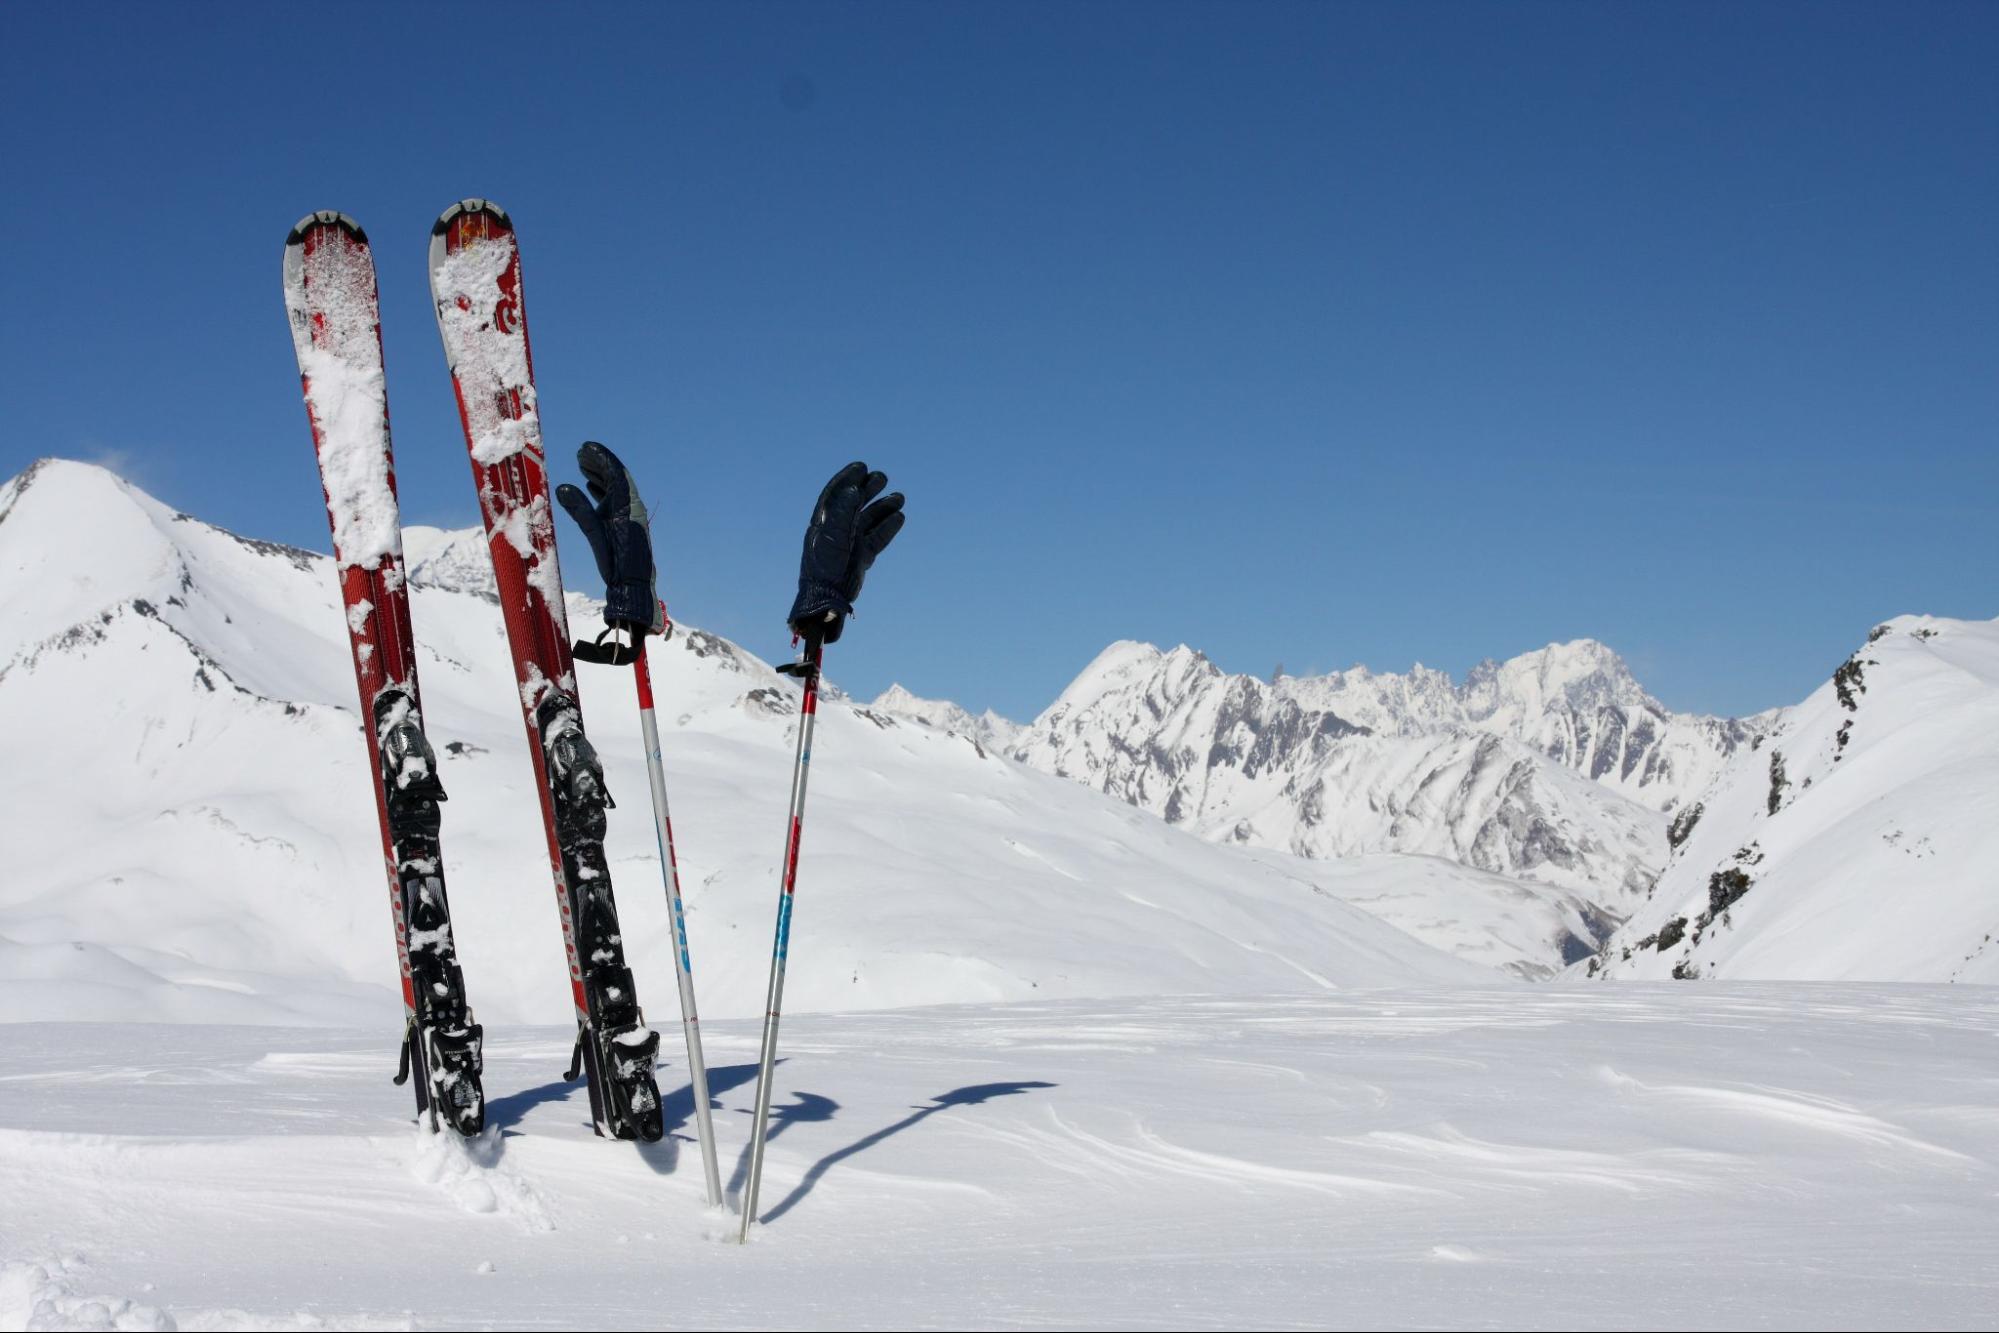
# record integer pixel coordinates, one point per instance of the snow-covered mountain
(191, 834)
(989, 729)
(1577, 703)
(1858, 840)
(1553, 767)
(451, 558)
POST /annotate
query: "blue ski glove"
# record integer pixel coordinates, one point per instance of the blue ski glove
(849, 528)
(620, 535)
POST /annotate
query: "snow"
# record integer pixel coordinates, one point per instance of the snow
(988, 728)
(1239, 761)
(341, 364)
(1574, 704)
(221, 825)
(1047, 1060)
(1639, 1157)
(1878, 859)
(490, 370)
(455, 558)
(482, 319)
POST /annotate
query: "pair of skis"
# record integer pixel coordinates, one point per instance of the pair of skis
(330, 295)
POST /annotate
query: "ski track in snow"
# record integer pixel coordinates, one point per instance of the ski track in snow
(1730, 1155)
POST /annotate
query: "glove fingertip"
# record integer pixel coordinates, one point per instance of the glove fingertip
(883, 533)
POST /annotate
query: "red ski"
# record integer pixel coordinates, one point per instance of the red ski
(475, 279)
(337, 334)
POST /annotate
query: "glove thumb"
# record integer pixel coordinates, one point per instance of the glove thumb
(585, 514)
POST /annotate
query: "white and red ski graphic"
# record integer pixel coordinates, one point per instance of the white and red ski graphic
(475, 276)
(330, 299)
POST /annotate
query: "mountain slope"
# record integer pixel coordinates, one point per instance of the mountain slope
(1275, 765)
(191, 833)
(988, 728)
(1858, 841)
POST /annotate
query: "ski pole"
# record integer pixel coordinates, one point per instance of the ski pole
(683, 965)
(807, 669)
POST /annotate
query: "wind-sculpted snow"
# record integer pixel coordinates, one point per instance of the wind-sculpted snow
(1858, 840)
(1640, 1156)
(191, 833)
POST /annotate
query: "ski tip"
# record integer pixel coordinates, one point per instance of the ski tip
(326, 217)
(465, 206)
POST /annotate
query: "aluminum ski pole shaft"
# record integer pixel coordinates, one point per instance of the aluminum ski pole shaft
(683, 965)
(808, 711)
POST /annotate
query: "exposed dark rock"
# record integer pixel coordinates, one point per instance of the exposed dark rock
(1683, 824)
(1724, 888)
(1850, 682)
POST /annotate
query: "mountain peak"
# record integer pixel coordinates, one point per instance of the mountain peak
(68, 482)
(1583, 673)
(896, 699)
(988, 727)
(453, 558)
(76, 540)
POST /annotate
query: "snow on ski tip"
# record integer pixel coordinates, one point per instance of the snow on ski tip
(336, 333)
(482, 320)
(478, 287)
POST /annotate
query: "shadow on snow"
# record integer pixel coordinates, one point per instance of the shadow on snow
(811, 1107)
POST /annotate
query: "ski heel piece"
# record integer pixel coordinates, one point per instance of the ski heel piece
(634, 1052)
(626, 1050)
(575, 1070)
(403, 1063)
(628, 1058)
(455, 1058)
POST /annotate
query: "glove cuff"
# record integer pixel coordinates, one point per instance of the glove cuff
(815, 599)
(632, 604)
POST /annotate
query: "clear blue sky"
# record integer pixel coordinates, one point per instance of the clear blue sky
(1303, 333)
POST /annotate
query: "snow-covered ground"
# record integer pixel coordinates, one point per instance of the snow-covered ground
(1069, 1066)
(1642, 1156)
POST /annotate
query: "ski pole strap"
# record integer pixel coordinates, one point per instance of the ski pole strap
(806, 668)
(607, 649)
(619, 652)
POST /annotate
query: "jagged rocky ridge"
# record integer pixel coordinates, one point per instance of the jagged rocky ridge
(1554, 766)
